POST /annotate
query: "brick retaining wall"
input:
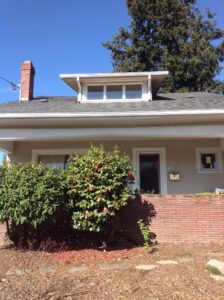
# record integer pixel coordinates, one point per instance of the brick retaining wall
(178, 218)
(173, 218)
(2, 233)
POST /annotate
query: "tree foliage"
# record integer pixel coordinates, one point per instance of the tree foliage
(170, 35)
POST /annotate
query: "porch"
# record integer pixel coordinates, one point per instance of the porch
(163, 166)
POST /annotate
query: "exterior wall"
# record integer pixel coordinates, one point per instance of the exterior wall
(177, 218)
(180, 156)
(2, 234)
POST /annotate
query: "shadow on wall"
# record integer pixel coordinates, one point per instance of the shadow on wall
(132, 213)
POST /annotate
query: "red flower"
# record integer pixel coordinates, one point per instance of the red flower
(131, 176)
(99, 165)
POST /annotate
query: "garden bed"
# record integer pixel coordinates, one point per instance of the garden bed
(48, 276)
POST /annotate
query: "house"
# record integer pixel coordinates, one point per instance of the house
(176, 141)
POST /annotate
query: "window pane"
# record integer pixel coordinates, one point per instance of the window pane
(133, 91)
(56, 161)
(208, 161)
(95, 92)
(114, 92)
(149, 167)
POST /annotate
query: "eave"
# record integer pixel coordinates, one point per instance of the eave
(111, 119)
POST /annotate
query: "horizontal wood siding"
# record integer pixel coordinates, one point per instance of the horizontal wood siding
(180, 157)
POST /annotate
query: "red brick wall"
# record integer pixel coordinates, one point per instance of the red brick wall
(178, 218)
(2, 233)
(173, 218)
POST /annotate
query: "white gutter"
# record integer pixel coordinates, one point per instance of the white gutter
(113, 114)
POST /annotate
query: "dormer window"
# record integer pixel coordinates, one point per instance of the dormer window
(114, 92)
(133, 91)
(95, 92)
(109, 87)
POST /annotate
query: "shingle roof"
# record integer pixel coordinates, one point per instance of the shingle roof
(163, 102)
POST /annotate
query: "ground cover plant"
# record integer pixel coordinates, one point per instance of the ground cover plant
(42, 205)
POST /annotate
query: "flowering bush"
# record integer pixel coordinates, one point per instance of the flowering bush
(48, 204)
(97, 187)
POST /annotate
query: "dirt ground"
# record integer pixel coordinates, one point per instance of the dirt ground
(187, 280)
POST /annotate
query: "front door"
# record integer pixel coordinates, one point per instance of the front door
(149, 173)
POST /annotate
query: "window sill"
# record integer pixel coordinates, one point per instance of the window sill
(209, 171)
(114, 100)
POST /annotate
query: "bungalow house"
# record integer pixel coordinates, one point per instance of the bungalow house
(175, 140)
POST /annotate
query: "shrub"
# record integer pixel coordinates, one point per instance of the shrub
(145, 232)
(49, 204)
(30, 195)
(97, 187)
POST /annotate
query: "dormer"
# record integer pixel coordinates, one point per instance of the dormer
(111, 87)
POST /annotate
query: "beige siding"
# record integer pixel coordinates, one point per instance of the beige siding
(180, 156)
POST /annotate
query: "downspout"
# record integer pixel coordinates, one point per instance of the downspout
(79, 90)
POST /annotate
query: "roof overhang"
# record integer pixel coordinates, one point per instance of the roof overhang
(157, 78)
(112, 118)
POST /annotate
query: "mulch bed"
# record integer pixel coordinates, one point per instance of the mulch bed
(187, 280)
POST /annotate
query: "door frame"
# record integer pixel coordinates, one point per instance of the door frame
(162, 163)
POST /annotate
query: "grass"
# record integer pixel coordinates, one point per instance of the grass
(213, 270)
(204, 194)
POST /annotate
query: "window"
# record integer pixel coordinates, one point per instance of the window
(56, 161)
(55, 157)
(114, 92)
(133, 91)
(95, 92)
(209, 160)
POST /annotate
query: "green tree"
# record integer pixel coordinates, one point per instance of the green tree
(218, 87)
(170, 35)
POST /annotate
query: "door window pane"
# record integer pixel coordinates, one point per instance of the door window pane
(95, 92)
(133, 91)
(149, 173)
(114, 92)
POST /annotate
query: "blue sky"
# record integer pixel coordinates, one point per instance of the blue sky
(62, 37)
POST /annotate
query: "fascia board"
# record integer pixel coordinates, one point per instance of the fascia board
(111, 75)
(211, 112)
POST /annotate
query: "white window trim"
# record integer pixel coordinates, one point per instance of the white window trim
(163, 168)
(123, 99)
(205, 150)
(37, 152)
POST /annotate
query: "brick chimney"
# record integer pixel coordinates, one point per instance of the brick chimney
(27, 81)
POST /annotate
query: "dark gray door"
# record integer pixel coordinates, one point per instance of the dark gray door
(149, 171)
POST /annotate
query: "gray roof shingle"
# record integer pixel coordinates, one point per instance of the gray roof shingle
(162, 102)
